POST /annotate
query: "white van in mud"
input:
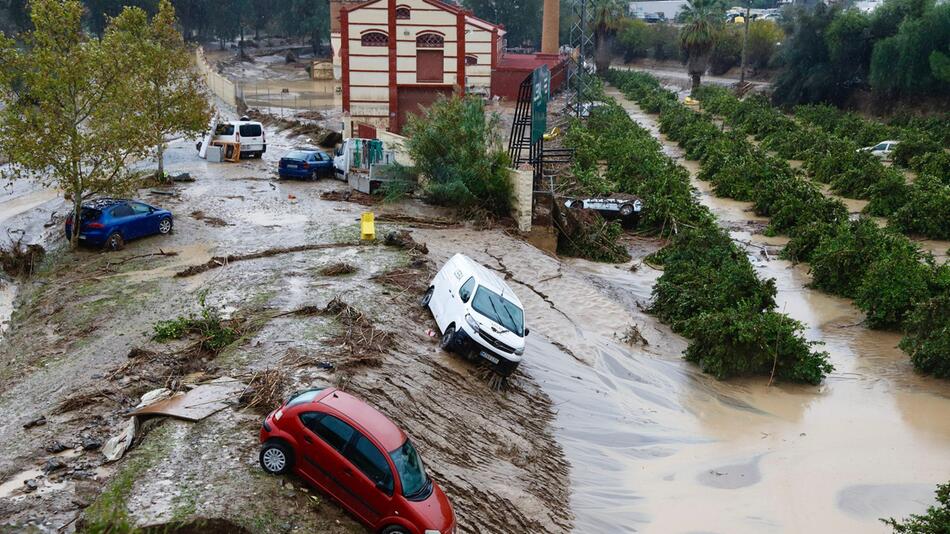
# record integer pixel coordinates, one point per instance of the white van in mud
(249, 134)
(478, 314)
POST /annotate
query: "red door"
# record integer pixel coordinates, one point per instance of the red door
(414, 99)
(430, 67)
(365, 131)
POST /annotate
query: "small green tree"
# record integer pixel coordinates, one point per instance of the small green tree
(457, 146)
(69, 107)
(935, 521)
(173, 96)
(698, 35)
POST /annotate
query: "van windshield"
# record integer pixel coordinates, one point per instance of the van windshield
(499, 309)
(250, 130)
(224, 129)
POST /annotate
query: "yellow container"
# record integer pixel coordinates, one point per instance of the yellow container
(367, 227)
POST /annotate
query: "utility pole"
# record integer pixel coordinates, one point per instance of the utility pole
(745, 43)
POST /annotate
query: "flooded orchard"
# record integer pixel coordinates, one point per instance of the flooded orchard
(604, 428)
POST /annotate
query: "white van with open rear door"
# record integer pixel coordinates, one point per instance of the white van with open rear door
(249, 134)
(478, 315)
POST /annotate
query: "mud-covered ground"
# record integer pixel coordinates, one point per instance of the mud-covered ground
(66, 357)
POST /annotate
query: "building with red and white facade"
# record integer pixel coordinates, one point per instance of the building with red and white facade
(398, 55)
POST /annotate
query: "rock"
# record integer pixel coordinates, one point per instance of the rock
(39, 421)
(90, 443)
(30, 485)
(183, 177)
(55, 447)
(291, 57)
(53, 464)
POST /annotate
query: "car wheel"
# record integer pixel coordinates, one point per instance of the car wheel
(626, 210)
(394, 529)
(198, 146)
(115, 241)
(276, 458)
(165, 226)
(427, 298)
(577, 204)
(448, 340)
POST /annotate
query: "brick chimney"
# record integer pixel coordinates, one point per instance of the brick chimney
(550, 27)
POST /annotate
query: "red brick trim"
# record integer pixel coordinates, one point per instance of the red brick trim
(393, 96)
(345, 55)
(460, 52)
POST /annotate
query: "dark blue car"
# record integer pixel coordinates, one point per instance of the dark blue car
(305, 164)
(110, 222)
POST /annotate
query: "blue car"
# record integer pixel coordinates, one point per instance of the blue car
(305, 164)
(110, 222)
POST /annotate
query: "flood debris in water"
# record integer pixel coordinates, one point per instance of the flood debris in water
(265, 390)
(403, 239)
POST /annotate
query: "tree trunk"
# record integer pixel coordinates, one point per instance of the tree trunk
(745, 44)
(160, 156)
(601, 54)
(77, 210)
(695, 76)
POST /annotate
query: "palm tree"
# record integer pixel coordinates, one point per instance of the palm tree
(604, 16)
(701, 19)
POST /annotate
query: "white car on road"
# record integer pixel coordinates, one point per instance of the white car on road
(478, 315)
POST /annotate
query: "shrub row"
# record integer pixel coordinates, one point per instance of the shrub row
(709, 290)
(922, 207)
(889, 278)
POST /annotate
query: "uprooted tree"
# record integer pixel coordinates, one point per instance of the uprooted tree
(74, 109)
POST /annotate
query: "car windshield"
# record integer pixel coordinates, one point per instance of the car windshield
(880, 146)
(499, 309)
(409, 468)
(301, 397)
(297, 154)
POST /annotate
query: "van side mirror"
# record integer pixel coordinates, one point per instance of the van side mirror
(526, 332)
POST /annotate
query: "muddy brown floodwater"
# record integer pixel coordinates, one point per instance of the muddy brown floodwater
(656, 446)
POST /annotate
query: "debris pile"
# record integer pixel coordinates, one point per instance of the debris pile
(338, 269)
(19, 260)
(264, 391)
(403, 239)
(350, 196)
(361, 340)
(584, 233)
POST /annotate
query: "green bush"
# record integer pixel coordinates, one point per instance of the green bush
(726, 52)
(633, 39)
(887, 195)
(704, 271)
(458, 147)
(742, 341)
(914, 144)
(764, 39)
(927, 336)
(927, 210)
(212, 331)
(806, 239)
(840, 261)
(892, 286)
(590, 237)
(936, 164)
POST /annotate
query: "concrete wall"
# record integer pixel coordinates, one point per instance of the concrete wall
(219, 85)
(396, 143)
(523, 181)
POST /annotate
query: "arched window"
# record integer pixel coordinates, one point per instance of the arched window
(471, 60)
(430, 40)
(374, 39)
(402, 13)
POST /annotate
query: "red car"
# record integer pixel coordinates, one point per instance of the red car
(357, 455)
